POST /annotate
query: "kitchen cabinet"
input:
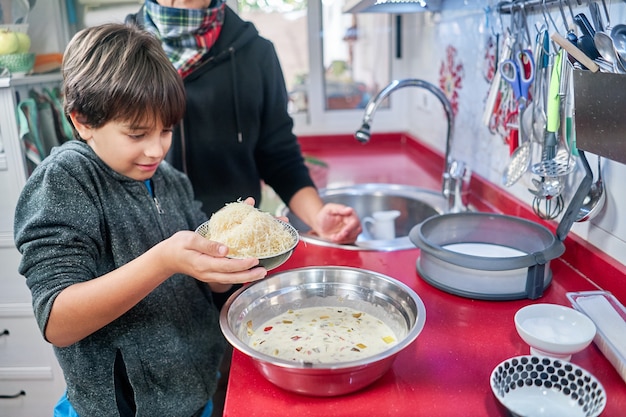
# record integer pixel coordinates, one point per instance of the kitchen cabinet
(29, 373)
(31, 380)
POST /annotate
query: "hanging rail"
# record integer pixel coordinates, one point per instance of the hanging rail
(507, 7)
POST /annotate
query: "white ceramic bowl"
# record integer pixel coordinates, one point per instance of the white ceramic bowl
(554, 330)
(542, 386)
(268, 262)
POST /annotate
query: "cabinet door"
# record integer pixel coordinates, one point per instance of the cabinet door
(38, 398)
(29, 371)
(12, 172)
(13, 287)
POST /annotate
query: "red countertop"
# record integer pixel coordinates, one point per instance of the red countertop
(445, 372)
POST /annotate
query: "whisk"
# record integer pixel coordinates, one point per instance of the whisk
(548, 202)
(548, 208)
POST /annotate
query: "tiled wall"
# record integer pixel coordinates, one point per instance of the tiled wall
(451, 50)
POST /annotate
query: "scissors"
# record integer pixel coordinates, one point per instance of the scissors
(519, 72)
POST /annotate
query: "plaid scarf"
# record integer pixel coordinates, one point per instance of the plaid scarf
(186, 34)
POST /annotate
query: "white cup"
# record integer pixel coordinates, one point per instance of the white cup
(381, 225)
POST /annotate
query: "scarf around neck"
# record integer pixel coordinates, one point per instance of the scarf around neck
(186, 34)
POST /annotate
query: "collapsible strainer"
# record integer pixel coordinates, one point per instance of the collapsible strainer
(493, 256)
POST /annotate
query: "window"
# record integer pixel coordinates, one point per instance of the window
(337, 71)
(284, 22)
(355, 48)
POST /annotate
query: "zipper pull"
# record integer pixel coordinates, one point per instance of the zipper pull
(158, 205)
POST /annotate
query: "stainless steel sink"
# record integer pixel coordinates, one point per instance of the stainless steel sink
(415, 205)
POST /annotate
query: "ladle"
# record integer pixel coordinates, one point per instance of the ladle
(595, 199)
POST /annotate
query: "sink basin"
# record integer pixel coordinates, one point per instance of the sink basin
(414, 204)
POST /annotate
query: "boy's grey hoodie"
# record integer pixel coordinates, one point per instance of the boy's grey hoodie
(77, 220)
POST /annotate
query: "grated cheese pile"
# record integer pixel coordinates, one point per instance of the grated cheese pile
(248, 232)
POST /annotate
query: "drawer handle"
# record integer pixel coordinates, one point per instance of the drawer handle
(5, 332)
(8, 397)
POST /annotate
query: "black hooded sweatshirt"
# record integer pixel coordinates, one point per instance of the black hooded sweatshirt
(236, 130)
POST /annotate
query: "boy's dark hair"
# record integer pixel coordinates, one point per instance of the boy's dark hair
(118, 72)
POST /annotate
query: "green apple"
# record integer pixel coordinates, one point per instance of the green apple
(23, 41)
(8, 42)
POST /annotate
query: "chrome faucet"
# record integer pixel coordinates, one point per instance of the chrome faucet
(454, 172)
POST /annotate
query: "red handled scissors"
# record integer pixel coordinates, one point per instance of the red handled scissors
(519, 72)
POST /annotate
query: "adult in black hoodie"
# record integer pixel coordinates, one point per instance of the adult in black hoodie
(237, 132)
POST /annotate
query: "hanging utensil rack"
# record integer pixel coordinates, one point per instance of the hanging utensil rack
(507, 7)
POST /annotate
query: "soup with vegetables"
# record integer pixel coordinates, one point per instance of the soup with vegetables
(322, 335)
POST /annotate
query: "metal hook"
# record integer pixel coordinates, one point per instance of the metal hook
(545, 12)
(525, 23)
(606, 14)
(546, 24)
(514, 26)
(487, 10)
(500, 22)
(571, 10)
(489, 19)
(567, 28)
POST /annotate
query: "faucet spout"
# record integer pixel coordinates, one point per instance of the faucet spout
(450, 170)
(363, 134)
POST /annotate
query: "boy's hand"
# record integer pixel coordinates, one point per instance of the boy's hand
(189, 253)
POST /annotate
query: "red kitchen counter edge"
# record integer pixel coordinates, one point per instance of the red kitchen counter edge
(445, 373)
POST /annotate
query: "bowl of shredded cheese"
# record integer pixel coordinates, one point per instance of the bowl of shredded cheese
(251, 233)
(323, 330)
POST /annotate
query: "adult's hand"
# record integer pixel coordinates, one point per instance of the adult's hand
(338, 223)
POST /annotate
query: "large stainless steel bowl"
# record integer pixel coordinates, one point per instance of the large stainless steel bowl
(376, 294)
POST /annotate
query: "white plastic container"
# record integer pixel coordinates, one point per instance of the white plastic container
(609, 316)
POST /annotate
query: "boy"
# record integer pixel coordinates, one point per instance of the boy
(121, 287)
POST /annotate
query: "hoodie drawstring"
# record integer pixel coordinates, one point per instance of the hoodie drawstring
(235, 94)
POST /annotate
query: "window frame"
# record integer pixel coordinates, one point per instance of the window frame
(318, 120)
